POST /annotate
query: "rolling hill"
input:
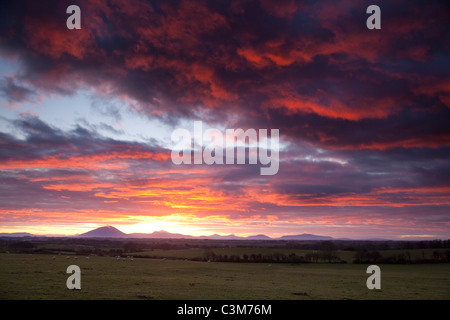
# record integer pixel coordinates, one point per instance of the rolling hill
(104, 232)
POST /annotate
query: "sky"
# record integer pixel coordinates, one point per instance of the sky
(87, 117)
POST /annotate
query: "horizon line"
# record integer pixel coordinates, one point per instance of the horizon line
(397, 238)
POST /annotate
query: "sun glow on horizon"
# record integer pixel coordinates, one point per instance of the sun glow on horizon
(158, 225)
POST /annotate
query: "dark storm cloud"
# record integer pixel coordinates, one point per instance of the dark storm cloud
(246, 57)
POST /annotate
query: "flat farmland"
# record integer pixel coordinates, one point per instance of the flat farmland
(39, 276)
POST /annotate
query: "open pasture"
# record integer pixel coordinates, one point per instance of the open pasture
(40, 276)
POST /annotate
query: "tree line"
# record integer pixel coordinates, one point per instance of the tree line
(373, 252)
(325, 252)
(375, 257)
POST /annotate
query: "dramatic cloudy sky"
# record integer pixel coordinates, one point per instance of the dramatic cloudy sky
(86, 116)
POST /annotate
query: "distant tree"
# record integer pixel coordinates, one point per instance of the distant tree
(130, 247)
(408, 257)
(328, 251)
(209, 254)
(374, 256)
(364, 256)
(436, 255)
(312, 256)
(447, 255)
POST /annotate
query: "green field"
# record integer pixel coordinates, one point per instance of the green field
(38, 276)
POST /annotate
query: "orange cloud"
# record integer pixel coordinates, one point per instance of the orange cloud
(110, 161)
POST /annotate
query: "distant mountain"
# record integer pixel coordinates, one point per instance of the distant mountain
(104, 232)
(17, 234)
(220, 237)
(159, 235)
(111, 232)
(259, 237)
(305, 236)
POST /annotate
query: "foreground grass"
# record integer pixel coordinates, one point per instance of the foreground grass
(24, 276)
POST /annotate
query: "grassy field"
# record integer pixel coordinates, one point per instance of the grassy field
(38, 276)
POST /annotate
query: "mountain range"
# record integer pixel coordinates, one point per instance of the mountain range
(112, 232)
(17, 234)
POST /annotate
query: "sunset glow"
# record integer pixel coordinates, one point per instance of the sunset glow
(86, 117)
